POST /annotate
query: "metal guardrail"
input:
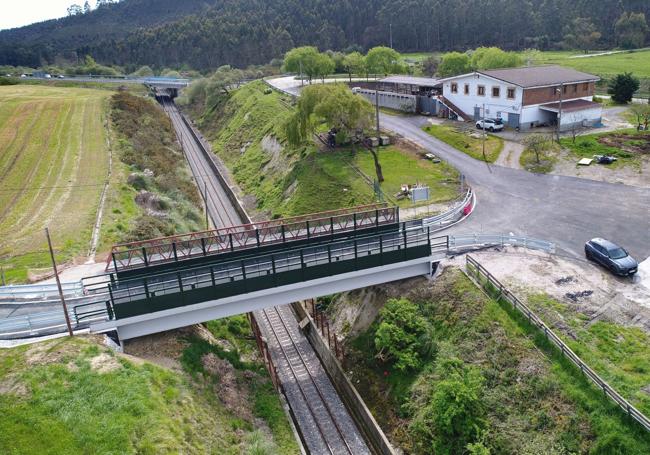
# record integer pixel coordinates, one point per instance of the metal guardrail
(456, 213)
(39, 291)
(459, 242)
(483, 277)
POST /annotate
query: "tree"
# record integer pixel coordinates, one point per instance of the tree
(581, 34)
(86, 7)
(430, 65)
(536, 143)
(302, 60)
(398, 336)
(622, 87)
(642, 112)
(453, 64)
(74, 9)
(323, 66)
(485, 58)
(336, 105)
(354, 63)
(454, 417)
(143, 71)
(382, 60)
(631, 30)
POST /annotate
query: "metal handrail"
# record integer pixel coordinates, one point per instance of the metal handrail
(550, 335)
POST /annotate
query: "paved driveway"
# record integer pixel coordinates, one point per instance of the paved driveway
(565, 210)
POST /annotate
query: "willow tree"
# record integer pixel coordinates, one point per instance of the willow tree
(340, 109)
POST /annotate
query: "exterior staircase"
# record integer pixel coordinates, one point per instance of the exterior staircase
(455, 109)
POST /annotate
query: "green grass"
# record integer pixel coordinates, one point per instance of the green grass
(52, 164)
(619, 354)
(547, 159)
(461, 140)
(400, 167)
(56, 400)
(535, 401)
(289, 180)
(588, 145)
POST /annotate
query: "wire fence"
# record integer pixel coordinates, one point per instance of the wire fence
(497, 290)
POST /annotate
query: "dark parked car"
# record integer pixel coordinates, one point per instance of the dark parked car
(611, 256)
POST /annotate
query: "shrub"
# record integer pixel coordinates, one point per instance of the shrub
(399, 334)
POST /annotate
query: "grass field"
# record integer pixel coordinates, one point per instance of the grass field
(628, 146)
(53, 163)
(75, 396)
(461, 139)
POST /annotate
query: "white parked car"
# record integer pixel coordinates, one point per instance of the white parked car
(490, 124)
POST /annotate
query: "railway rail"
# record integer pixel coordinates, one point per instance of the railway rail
(321, 408)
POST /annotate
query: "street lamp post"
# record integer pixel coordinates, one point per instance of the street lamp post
(559, 112)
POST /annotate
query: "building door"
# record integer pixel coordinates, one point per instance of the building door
(477, 113)
(513, 120)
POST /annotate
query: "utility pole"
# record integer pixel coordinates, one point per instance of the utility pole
(484, 134)
(559, 112)
(301, 80)
(205, 201)
(58, 283)
(390, 27)
(377, 105)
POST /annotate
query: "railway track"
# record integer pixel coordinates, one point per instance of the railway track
(220, 209)
(303, 377)
(321, 417)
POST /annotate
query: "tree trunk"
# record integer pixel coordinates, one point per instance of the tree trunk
(375, 156)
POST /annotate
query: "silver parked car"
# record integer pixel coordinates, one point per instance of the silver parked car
(611, 256)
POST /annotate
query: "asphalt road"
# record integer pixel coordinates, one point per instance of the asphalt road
(564, 210)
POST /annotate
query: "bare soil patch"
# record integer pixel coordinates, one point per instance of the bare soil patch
(638, 144)
(583, 286)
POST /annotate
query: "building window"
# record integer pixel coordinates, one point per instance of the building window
(585, 86)
(564, 89)
(511, 93)
(466, 89)
(496, 92)
(454, 87)
(575, 88)
(480, 90)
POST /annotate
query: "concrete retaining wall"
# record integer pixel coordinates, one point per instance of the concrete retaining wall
(374, 436)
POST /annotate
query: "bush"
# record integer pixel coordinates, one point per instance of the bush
(622, 88)
(399, 334)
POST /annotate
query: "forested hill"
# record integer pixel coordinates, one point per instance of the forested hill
(206, 34)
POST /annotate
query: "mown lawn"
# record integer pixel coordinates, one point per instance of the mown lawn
(53, 163)
(461, 139)
(520, 393)
(71, 396)
(400, 167)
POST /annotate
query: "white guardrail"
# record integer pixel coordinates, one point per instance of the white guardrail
(460, 242)
(39, 291)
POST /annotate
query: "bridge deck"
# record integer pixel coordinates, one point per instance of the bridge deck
(156, 292)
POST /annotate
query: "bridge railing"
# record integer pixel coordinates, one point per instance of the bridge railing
(497, 290)
(180, 247)
(132, 297)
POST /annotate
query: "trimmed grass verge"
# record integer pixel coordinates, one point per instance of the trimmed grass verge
(626, 145)
(462, 140)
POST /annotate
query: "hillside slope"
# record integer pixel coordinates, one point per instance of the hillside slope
(210, 33)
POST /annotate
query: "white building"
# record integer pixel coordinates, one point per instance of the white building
(525, 97)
